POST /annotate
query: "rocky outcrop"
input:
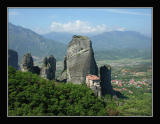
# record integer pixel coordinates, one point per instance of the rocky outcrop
(49, 67)
(28, 65)
(13, 58)
(79, 60)
(105, 77)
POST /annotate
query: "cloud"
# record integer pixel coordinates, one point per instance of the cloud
(77, 26)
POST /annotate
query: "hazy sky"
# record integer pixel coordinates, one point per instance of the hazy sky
(82, 20)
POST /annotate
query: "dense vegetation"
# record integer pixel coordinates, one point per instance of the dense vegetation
(30, 95)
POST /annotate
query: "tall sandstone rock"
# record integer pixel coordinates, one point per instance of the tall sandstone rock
(49, 68)
(79, 60)
(28, 64)
(105, 77)
(13, 58)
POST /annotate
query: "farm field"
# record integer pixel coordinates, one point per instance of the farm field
(133, 79)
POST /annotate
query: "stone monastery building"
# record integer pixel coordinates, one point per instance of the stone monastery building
(93, 82)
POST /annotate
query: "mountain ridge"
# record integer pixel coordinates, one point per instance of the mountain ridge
(108, 40)
(24, 40)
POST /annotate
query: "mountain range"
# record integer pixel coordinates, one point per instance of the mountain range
(108, 40)
(24, 40)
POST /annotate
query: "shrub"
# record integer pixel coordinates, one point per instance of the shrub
(31, 95)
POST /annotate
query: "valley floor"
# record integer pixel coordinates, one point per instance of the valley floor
(133, 79)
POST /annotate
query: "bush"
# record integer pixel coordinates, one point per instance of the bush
(31, 95)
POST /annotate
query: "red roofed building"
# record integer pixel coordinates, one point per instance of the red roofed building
(92, 80)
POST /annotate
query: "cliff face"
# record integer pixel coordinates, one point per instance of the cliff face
(47, 71)
(13, 58)
(49, 67)
(79, 60)
(27, 63)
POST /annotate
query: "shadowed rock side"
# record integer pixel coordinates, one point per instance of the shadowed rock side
(49, 67)
(13, 58)
(79, 60)
(105, 77)
(28, 64)
(63, 77)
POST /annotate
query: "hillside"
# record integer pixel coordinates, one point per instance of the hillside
(120, 40)
(109, 45)
(25, 40)
(108, 40)
(31, 95)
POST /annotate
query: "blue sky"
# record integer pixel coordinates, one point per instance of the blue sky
(82, 20)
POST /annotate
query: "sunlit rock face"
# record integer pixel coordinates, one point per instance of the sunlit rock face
(80, 60)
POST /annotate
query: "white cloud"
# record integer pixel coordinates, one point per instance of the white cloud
(77, 26)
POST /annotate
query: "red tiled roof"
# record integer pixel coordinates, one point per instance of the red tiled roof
(92, 77)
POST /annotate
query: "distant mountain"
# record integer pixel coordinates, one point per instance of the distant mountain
(120, 40)
(62, 37)
(108, 45)
(108, 40)
(25, 40)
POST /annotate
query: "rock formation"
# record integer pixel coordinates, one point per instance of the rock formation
(13, 58)
(63, 77)
(79, 60)
(49, 67)
(28, 65)
(105, 77)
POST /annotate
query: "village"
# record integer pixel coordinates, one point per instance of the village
(120, 85)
